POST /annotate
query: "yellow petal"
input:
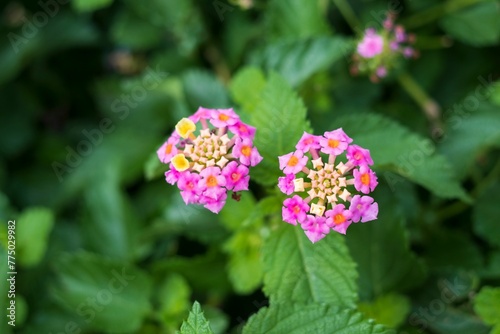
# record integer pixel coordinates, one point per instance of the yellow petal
(180, 162)
(185, 127)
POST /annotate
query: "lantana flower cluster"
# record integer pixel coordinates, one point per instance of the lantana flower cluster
(379, 52)
(328, 179)
(209, 154)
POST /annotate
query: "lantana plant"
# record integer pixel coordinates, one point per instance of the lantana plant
(209, 154)
(378, 52)
(329, 179)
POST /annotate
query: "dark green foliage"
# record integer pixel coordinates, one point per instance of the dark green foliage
(91, 88)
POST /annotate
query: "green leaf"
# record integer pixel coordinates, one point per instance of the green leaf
(296, 270)
(112, 296)
(492, 270)
(130, 30)
(173, 298)
(63, 31)
(295, 19)
(196, 322)
(477, 25)
(394, 147)
(90, 5)
(480, 127)
(390, 310)
(486, 213)
(446, 248)
(313, 318)
(280, 119)
(246, 87)
(219, 321)
(182, 20)
(487, 305)
(202, 89)
(245, 263)
(212, 264)
(453, 321)
(381, 250)
(32, 233)
(297, 61)
(153, 168)
(242, 213)
(110, 225)
(245, 246)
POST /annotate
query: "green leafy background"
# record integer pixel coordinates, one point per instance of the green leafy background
(91, 88)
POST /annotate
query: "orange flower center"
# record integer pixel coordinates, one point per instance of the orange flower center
(211, 181)
(338, 219)
(358, 156)
(365, 179)
(293, 161)
(190, 185)
(168, 149)
(246, 151)
(296, 209)
(223, 117)
(309, 140)
(243, 128)
(235, 177)
(333, 143)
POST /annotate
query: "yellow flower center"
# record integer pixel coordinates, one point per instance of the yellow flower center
(293, 161)
(223, 117)
(168, 149)
(185, 127)
(211, 181)
(180, 162)
(246, 151)
(333, 143)
(365, 179)
(338, 219)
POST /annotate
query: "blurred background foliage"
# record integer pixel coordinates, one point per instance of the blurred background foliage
(91, 88)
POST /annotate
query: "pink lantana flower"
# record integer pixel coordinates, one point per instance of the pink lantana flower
(363, 208)
(168, 149)
(365, 179)
(315, 228)
(339, 218)
(172, 176)
(324, 181)
(188, 184)
(208, 156)
(237, 177)
(285, 183)
(379, 52)
(293, 163)
(371, 45)
(294, 210)
(334, 142)
(243, 130)
(244, 150)
(308, 141)
(223, 117)
(359, 156)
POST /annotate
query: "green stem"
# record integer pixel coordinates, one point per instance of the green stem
(348, 14)
(417, 93)
(451, 210)
(432, 42)
(487, 180)
(436, 12)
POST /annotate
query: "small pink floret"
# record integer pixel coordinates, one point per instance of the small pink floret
(371, 45)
